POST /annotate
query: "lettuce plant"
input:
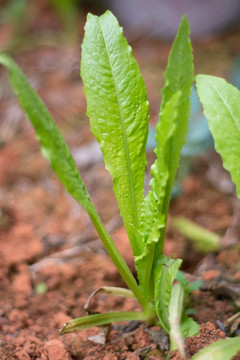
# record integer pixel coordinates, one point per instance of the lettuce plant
(118, 110)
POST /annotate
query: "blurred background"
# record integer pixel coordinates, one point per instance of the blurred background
(154, 18)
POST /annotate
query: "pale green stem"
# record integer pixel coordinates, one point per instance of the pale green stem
(111, 290)
(118, 260)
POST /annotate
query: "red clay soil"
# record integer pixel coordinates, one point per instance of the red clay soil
(50, 257)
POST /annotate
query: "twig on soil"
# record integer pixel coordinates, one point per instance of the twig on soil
(123, 336)
(143, 351)
(75, 251)
(220, 179)
(219, 286)
(65, 255)
(232, 323)
(231, 236)
(223, 287)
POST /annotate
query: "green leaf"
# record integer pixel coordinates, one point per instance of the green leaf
(56, 150)
(219, 350)
(100, 319)
(195, 285)
(175, 314)
(53, 146)
(189, 327)
(170, 136)
(178, 77)
(164, 275)
(152, 206)
(221, 104)
(178, 80)
(153, 219)
(118, 110)
(181, 278)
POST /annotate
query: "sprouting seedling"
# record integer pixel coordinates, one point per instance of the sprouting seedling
(117, 107)
(188, 288)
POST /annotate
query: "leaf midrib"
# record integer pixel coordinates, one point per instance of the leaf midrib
(132, 192)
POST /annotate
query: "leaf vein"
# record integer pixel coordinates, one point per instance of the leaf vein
(132, 191)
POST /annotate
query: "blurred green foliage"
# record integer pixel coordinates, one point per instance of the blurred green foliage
(19, 14)
(67, 11)
(14, 11)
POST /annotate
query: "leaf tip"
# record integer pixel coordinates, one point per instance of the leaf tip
(184, 24)
(5, 59)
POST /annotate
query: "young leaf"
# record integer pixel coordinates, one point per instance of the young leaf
(179, 77)
(165, 273)
(170, 136)
(175, 314)
(160, 171)
(219, 350)
(100, 319)
(118, 110)
(189, 327)
(152, 219)
(56, 150)
(221, 104)
(195, 285)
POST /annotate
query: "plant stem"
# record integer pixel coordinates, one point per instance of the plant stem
(118, 259)
(169, 355)
(111, 290)
(160, 244)
(149, 274)
(158, 247)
